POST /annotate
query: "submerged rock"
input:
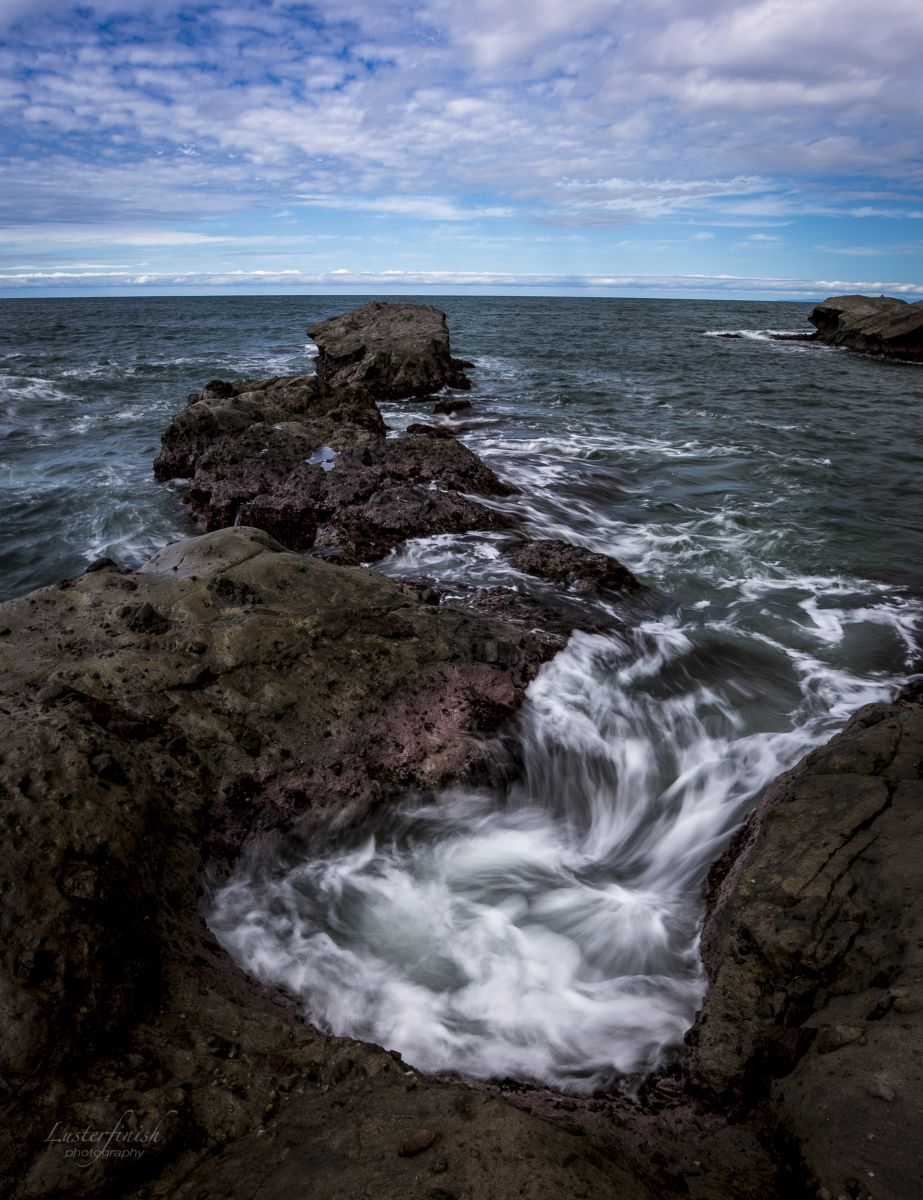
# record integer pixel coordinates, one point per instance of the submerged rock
(871, 324)
(392, 350)
(451, 405)
(580, 569)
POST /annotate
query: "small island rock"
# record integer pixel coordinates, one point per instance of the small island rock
(880, 325)
(392, 350)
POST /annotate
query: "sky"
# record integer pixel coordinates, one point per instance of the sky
(715, 148)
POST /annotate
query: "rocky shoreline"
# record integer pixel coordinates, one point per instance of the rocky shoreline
(249, 682)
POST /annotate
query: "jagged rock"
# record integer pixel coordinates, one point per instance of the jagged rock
(871, 324)
(392, 350)
(228, 410)
(312, 467)
(133, 759)
(581, 569)
(363, 500)
(813, 949)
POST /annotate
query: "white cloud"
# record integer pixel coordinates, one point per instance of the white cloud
(390, 280)
(109, 235)
(591, 114)
(429, 208)
(611, 201)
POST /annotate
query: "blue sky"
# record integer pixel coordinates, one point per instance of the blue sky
(752, 148)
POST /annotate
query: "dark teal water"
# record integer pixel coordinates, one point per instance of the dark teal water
(767, 492)
(668, 426)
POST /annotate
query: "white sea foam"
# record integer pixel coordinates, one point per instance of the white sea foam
(551, 934)
(755, 335)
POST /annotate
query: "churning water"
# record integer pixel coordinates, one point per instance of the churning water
(765, 491)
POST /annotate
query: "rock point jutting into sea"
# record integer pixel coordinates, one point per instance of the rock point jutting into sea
(253, 691)
(882, 325)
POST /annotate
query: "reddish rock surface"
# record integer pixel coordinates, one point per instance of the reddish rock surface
(313, 468)
(574, 566)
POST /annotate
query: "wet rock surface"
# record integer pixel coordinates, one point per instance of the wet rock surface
(573, 566)
(234, 691)
(880, 325)
(814, 1019)
(263, 689)
(312, 466)
(138, 755)
(392, 350)
(225, 410)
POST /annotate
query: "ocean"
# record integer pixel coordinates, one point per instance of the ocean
(766, 492)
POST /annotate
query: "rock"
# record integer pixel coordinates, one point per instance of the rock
(832, 1037)
(554, 614)
(142, 618)
(451, 405)
(417, 1143)
(312, 467)
(815, 930)
(392, 350)
(137, 773)
(572, 565)
(439, 431)
(379, 491)
(880, 325)
(231, 690)
(232, 409)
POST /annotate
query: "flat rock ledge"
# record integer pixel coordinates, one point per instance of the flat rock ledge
(153, 720)
(881, 325)
(393, 350)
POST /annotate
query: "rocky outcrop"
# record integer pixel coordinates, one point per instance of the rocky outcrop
(313, 467)
(392, 350)
(225, 410)
(880, 325)
(813, 1022)
(152, 721)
